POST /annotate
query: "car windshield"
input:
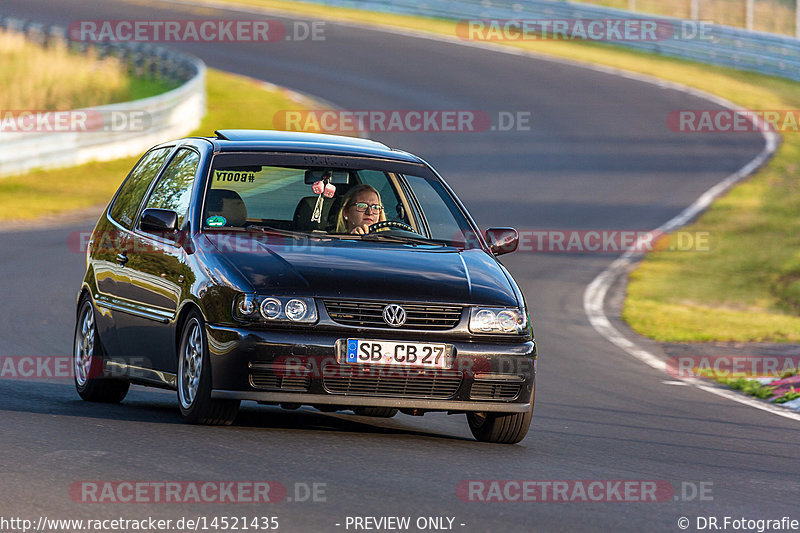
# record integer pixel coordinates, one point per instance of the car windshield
(405, 202)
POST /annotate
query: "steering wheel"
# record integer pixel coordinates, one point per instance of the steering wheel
(395, 224)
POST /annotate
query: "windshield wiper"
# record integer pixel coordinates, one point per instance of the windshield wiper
(400, 239)
(301, 234)
(374, 237)
(283, 232)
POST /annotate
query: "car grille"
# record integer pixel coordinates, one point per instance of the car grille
(370, 314)
(488, 390)
(279, 376)
(393, 382)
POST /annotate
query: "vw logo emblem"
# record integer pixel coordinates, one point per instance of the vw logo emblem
(394, 315)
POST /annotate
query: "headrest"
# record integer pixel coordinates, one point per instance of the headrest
(304, 211)
(228, 204)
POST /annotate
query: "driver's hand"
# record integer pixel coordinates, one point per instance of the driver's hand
(361, 230)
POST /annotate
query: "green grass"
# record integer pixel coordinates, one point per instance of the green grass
(788, 396)
(748, 287)
(790, 373)
(233, 102)
(139, 88)
(750, 387)
(746, 386)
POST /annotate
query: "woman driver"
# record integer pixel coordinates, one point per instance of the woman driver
(361, 208)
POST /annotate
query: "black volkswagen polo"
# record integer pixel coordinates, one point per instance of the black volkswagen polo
(227, 269)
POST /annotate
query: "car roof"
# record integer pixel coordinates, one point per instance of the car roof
(294, 141)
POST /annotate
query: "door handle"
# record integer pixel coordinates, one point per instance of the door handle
(122, 258)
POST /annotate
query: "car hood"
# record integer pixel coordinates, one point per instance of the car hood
(334, 268)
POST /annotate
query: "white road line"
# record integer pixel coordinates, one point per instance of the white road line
(594, 296)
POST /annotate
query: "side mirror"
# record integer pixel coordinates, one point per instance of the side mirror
(502, 240)
(159, 221)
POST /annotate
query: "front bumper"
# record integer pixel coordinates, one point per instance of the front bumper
(302, 367)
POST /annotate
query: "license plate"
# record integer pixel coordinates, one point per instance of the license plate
(418, 354)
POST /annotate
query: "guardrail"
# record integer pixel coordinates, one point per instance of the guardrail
(766, 53)
(103, 135)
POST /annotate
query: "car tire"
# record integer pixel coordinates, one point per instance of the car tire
(194, 379)
(87, 361)
(500, 428)
(377, 412)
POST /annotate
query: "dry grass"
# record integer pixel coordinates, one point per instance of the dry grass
(37, 78)
(775, 16)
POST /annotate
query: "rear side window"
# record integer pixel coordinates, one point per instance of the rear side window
(174, 190)
(132, 191)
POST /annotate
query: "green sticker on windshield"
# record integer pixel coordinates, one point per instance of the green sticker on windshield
(215, 221)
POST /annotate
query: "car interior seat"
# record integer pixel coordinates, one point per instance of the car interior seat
(305, 210)
(228, 204)
(330, 210)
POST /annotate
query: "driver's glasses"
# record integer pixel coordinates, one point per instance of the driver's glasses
(362, 207)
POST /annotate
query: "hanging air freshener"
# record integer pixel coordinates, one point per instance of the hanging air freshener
(322, 188)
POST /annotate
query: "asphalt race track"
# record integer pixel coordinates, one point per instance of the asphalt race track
(598, 156)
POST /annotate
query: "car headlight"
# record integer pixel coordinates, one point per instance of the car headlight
(265, 309)
(296, 309)
(497, 320)
(271, 308)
